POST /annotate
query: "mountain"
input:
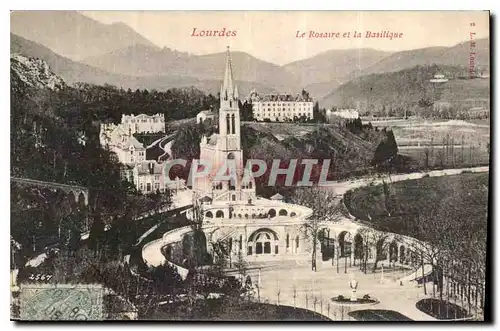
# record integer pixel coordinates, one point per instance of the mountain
(72, 72)
(34, 73)
(378, 85)
(404, 90)
(325, 72)
(334, 65)
(72, 34)
(141, 60)
(457, 55)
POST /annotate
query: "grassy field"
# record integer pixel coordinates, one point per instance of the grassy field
(459, 199)
(448, 157)
(448, 143)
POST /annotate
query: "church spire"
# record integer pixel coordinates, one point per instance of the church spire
(229, 91)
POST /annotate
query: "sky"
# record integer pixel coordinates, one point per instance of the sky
(272, 36)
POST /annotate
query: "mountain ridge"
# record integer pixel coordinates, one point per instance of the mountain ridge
(72, 34)
(73, 72)
(116, 54)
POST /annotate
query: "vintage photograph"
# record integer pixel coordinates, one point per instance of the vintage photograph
(329, 166)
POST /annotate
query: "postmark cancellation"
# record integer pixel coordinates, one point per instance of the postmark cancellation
(45, 302)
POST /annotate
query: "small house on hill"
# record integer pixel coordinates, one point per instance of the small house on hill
(205, 115)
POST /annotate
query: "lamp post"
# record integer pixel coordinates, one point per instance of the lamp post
(338, 253)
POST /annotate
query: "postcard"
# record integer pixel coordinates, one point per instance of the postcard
(324, 166)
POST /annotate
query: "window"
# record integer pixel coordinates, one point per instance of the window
(233, 124)
(258, 248)
(233, 197)
(157, 177)
(141, 186)
(157, 186)
(267, 247)
(148, 187)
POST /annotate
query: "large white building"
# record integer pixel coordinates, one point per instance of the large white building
(144, 123)
(147, 175)
(281, 107)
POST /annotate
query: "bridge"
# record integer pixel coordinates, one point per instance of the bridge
(70, 189)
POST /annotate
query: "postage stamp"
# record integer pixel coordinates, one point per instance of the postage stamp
(44, 302)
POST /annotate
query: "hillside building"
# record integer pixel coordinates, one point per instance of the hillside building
(205, 115)
(439, 78)
(149, 177)
(343, 113)
(281, 107)
(143, 123)
(146, 175)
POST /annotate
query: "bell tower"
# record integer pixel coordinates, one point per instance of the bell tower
(229, 114)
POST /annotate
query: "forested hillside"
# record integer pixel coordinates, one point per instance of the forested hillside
(54, 138)
(391, 94)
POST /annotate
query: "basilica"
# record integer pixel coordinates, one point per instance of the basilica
(256, 228)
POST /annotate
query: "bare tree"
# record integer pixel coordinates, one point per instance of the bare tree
(325, 208)
(377, 239)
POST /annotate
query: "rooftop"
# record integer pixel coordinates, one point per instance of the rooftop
(207, 112)
(128, 141)
(285, 97)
